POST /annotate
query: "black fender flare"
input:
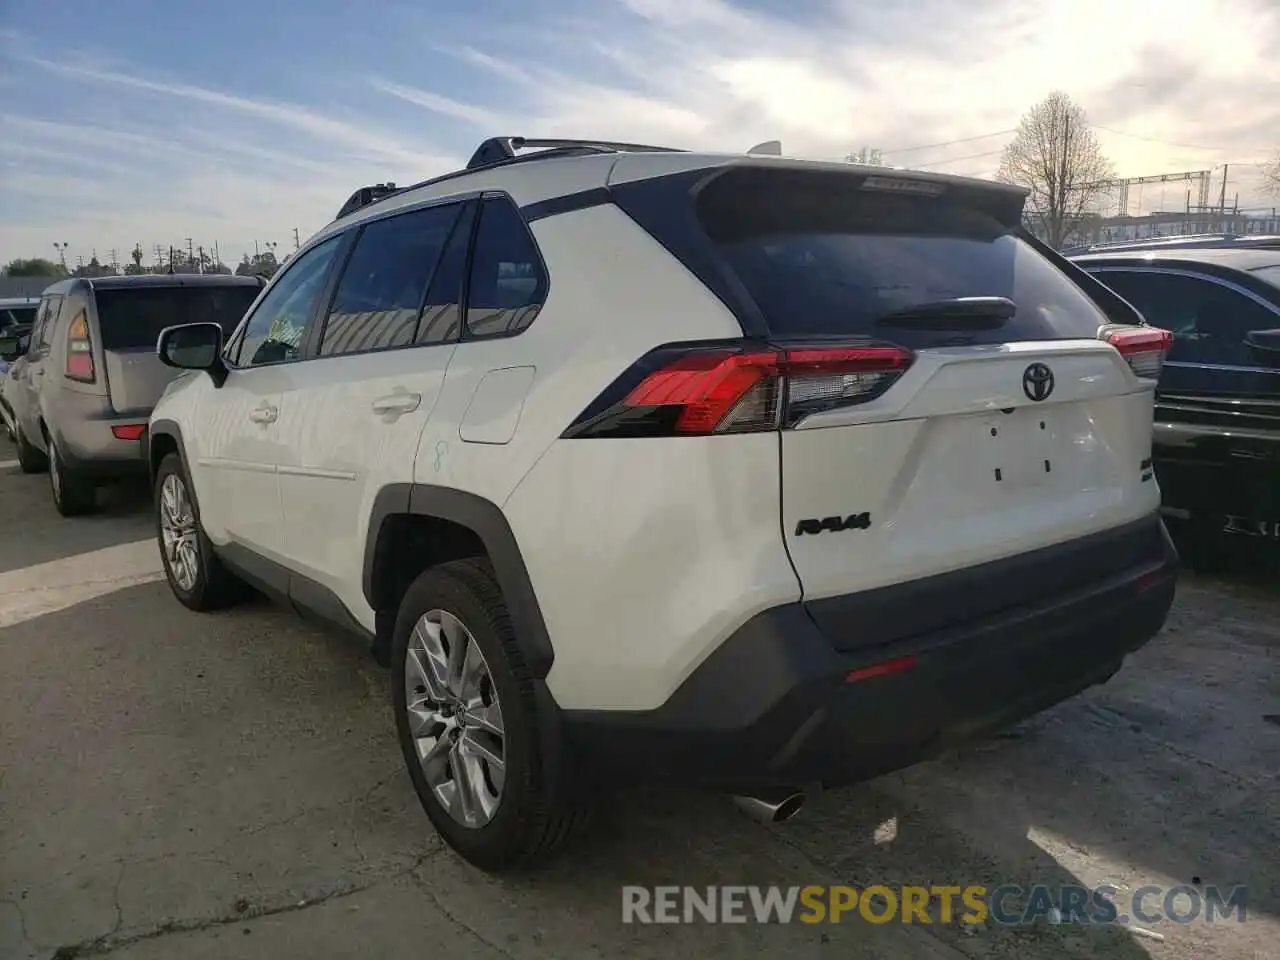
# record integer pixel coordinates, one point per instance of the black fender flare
(170, 429)
(487, 521)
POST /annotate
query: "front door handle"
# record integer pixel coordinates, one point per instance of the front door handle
(397, 403)
(264, 414)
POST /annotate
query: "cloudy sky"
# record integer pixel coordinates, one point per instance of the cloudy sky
(138, 122)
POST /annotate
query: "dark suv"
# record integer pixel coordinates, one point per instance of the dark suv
(1217, 433)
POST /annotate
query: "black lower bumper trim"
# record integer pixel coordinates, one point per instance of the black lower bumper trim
(771, 707)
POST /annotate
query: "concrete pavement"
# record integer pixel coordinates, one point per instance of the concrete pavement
(229, 785)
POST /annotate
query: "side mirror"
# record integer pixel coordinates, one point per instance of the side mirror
(193, 346)
(11, 347)
(1265, 340)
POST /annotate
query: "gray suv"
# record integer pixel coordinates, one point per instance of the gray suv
(89, 375)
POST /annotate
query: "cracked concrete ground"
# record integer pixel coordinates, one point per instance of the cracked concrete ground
(226, 786)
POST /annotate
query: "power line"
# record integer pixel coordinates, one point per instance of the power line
(972, 156)
(948, 143)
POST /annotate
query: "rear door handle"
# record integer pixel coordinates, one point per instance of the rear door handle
(397, 403)
(264, 414)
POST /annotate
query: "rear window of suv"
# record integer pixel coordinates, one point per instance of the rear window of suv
(821, 257)
(131, 319)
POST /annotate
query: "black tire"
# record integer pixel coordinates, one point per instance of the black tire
(30, 459)
(529, 826)
(215, 586)
(73, 494)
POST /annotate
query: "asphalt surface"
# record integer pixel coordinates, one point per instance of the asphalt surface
(178, 785)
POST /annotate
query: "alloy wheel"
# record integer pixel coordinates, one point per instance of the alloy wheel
(455, 718)
(178, 532)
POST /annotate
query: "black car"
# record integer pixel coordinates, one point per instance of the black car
(17, 315)
(1217, 435)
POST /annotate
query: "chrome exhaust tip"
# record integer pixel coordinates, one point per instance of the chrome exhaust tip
(772, 808)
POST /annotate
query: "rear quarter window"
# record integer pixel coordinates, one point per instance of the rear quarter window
(131, 319)
(821, 257)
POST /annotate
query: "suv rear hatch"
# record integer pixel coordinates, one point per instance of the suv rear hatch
(131, 318)
(945, 392)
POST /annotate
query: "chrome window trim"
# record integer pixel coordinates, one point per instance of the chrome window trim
(1194, 275)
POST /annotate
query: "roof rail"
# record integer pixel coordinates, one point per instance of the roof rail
(365, 196)
(503, 149)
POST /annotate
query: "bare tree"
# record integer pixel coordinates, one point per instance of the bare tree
(1271, 176)
(1057, 158)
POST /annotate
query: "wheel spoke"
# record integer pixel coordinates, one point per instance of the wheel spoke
(435, 762)
(427, 660)
(459, 640)
(487, 718)
(470, 672)
(467, 800)
(424, 717)
(477, 745)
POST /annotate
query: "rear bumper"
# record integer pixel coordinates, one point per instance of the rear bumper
(83, 431)
(1217, 470)
(772, 707)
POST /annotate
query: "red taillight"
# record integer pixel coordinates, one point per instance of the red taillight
(129, 431)
(79, 351)
(728, 390)
(885, 669)
(1144, 347)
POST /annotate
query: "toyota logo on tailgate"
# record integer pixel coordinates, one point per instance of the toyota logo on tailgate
(1037, 382)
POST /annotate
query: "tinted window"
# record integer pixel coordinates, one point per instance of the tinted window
(43, 333)
(131, 318)
(12, 318)
(821, 258)
(507, 284)
(442, 313)
(377, 301)
(1208, 321)
(276, 329)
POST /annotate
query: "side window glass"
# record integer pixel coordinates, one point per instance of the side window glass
(43, 336)
(1208, 320)
(376, 304)
(507, 284)
(276, 330)
(442, 312)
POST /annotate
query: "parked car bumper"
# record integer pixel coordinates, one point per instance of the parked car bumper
(778, 706)
(85, 429)
(1209, 470)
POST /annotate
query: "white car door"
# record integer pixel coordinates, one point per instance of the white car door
(355, 412)
(240, 443)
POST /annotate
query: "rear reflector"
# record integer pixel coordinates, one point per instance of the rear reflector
(129, 431)
(889, 667)
(1144, 347)
(735, 389)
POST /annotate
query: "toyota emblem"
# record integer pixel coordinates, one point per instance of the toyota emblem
(1037, 382)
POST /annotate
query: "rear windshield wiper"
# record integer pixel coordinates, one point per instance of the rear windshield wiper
(958, 313)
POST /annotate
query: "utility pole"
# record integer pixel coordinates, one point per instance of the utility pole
(296, 241)
(62, 254)
(1222, 200)
(191, 253)
(256, 254)
(216, 259)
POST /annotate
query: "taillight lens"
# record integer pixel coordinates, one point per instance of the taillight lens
(1144, 347)
(80, 351)
(739, 389)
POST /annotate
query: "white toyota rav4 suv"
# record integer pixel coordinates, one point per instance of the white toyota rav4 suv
(747, 472)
